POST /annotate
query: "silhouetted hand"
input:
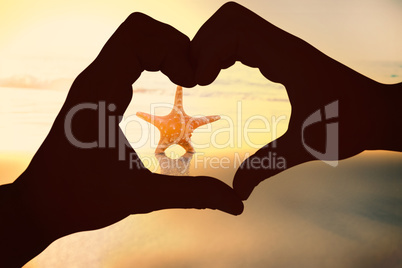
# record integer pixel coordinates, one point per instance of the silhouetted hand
(85, 176)
(336, 112)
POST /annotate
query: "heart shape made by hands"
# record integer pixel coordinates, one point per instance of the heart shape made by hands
(70, 187)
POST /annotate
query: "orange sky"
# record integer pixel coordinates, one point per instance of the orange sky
(350, 31)
(34, 52)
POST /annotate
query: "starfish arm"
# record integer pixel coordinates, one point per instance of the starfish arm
(163, 144)
(176, 127)
(178, 99)
(200, 121)
(187, 146)
(153, 119)
(160, 149)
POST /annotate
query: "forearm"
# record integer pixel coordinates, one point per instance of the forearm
(384, 118)
(21, 238)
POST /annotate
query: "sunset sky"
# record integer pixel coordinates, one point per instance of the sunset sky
(53, 39)
(46, 44)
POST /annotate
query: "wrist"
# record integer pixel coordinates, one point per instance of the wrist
(385, 112)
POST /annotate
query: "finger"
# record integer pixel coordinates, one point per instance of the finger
(163, 48)
(158, 192)
(206, 61)
(212, 50)
(207, 71)
(211, 60)
(275, 157)
(176, 64)
(143, 43)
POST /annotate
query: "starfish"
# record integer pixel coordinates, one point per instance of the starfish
(177, 127)
(176, 167)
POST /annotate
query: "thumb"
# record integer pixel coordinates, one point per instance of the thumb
(273, 158)
(163, 192)
(210, 55)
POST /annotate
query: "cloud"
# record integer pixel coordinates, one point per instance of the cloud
(30, 81)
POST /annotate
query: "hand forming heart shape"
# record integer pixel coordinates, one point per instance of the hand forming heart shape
(67, 189)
